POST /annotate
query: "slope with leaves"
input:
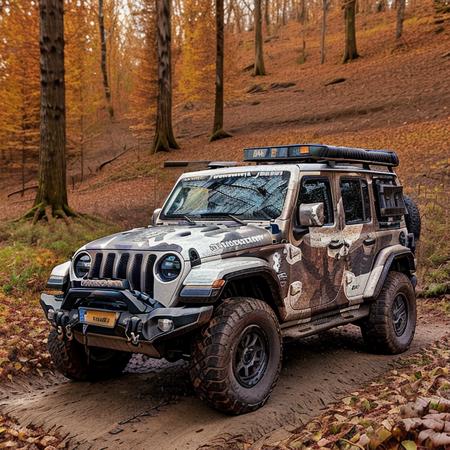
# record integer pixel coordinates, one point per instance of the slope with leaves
(410, 406)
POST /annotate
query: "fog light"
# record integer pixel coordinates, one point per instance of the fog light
(165, 325)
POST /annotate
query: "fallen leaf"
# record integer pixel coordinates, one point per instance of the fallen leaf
(409, 445)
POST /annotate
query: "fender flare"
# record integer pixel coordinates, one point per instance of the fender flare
(396, 256)
(198, 284)
(59, 277)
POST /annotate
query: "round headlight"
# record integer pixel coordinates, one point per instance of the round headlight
(169, 268)
(82, 265)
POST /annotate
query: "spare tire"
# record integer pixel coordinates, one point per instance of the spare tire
(412, 219)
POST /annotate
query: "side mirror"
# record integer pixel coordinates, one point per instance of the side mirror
(155, 216)
(311, 214)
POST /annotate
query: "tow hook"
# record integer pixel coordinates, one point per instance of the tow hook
(69, 334)
(62, 323)
(133, 329)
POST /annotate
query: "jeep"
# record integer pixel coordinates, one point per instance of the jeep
(297, 240)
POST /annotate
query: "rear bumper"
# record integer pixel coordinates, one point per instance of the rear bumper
(137, 327)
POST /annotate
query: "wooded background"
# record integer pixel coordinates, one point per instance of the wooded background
(111, 61)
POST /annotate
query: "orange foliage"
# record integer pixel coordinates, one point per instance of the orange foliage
(19, 86)
(141, 41)
(197, 65)
(83, 83)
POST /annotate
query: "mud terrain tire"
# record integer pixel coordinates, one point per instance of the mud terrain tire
(236, 359)
(71, 359)
(391, 324)
(412, 219)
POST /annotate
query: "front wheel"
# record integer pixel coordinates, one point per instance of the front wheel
(391, 323)
(72, 360)
(236, 360)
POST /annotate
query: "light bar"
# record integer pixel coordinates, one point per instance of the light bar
(319, 152)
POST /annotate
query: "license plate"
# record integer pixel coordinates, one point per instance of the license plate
(106, 319)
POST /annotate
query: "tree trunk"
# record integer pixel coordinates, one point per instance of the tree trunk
(259, 68)
(218, 131)
(350, 51)
(164, 137)
(52, 191)
(104, 68)
(380, 6)
(325, 5)
(400, 18)
(302, 17)
(284, 13)
(267, 15)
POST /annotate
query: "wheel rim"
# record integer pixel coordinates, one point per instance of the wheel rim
(251, 356)
(400, 314)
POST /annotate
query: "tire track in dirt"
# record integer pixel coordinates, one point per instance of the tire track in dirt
(154, 407)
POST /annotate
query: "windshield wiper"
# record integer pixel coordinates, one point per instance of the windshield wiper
(230, 216)
(236, 219)
(189, 220)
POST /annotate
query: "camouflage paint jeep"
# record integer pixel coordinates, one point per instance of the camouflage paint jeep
(300, 239)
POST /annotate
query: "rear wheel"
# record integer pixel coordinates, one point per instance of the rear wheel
(391, 323)
(236, 360)
(73, 361)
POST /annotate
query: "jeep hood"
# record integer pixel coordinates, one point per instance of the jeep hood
(207, 240)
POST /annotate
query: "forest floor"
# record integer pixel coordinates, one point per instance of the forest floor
(394, 97)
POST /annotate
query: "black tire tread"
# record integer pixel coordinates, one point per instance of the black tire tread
(67, 357)
(375, 329)
(71, 360)
(208, 370)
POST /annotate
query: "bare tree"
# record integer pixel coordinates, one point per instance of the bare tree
(350, 51)
(284, 12)
(400, 18)
(259, 68)
(103, 64)
(325, 6)
(51, 199)
(218, 131)
(303, 17)
(164, 138)
(267, 15)
(380, 5)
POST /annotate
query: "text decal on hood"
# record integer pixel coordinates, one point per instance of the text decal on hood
(236, 242)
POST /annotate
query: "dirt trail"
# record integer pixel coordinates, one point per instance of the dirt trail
(153, 405)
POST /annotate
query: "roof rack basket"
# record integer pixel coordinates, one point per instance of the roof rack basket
(307, 153)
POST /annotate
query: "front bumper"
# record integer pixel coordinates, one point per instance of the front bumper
(136, 329)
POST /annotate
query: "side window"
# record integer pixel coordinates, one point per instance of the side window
(316, 190)
(356, 200)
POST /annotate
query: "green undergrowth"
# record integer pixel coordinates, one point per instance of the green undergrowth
(434, 247)
(28, 252)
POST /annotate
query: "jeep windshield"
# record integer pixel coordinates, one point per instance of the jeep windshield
(247, 195)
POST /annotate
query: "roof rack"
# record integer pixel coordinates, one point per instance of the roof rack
(307, 153)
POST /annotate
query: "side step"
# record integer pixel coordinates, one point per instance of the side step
(300, 328)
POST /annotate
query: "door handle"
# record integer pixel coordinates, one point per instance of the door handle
(369, 241)
(334, 244)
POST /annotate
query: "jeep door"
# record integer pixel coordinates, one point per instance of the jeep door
(316, 263)
(358, 232)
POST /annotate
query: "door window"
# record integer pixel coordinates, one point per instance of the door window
(356, 200)
(318, 190)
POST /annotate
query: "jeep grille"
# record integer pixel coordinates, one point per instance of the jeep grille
(135, 267)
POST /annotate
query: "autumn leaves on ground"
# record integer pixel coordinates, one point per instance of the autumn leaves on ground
(396, 95)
